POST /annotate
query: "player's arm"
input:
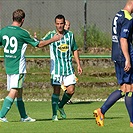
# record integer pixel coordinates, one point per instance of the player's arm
(124, 47)
(47, 42)
(76, 56)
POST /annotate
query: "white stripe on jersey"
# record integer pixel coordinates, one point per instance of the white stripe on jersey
(66, 54)
(70, 50)
(62, 58)
(22, 63)
(57, 58)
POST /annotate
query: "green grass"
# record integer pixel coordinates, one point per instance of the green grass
(79, 119)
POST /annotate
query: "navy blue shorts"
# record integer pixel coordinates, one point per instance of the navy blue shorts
(122, 76)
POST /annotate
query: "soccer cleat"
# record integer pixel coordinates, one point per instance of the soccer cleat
(99, 117)
(69, 102)
(3, 119)
(131, 124)
(62, 113)
(54, 118)
(28, 119)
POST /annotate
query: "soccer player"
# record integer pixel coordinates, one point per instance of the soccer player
(14, 39)
(62, 70)
(122, 55)
(67, 27)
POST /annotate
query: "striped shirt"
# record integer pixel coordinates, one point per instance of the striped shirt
(61, 53)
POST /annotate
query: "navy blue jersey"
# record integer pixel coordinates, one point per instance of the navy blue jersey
(122, 27)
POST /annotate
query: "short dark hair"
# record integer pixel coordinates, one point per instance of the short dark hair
(60, 16)
(18, 15)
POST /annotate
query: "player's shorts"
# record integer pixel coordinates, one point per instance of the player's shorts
(67, 80)
(122, 76)
(15, 81)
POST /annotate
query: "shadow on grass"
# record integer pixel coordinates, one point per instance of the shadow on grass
(81, 102)
(80, 119)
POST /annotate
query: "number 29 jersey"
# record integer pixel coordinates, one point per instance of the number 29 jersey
(122, 27)
(14, 39)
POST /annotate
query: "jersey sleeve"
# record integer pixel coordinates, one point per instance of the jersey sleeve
(126, 27)
(47, 36)
(30, 40)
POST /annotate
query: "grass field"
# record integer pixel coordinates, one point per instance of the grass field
(79, 119)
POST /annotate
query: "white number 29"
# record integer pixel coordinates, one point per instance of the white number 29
(13, 44)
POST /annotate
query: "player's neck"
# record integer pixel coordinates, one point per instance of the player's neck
(16, 24)
(129, 7)
(60, 33)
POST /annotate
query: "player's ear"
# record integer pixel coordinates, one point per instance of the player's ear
(22, 20)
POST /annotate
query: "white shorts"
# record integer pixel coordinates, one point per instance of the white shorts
(15, 81)
(67, 80)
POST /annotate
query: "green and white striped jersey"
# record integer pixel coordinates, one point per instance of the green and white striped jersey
(15, 40)
(61, 53)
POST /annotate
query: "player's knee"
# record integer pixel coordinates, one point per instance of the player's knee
(70, 92)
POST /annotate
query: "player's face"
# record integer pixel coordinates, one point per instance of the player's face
(60, 25)
(67, 26)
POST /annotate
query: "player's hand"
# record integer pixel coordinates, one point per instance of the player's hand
(57, 37)
(127, 66)
(79, 70)
(35, 35)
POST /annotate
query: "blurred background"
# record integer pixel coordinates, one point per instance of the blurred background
(90, 22)
(83, 15)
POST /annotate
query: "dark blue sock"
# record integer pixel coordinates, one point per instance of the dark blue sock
(113, 97)
(129, 104)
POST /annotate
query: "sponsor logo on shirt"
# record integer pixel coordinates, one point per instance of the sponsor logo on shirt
(10, 56)
(114, 38)
(63, 47)
(125, 30)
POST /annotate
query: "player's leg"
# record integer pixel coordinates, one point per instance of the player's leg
(55, 100)
(69, 83)
(20, 104)
(69, 101)
(56, 83)
(111, 100)
(19, 100)
(8, 101)
(67, 95)
(129, 98)
(129, 106)
(21, 107)
(113, 97)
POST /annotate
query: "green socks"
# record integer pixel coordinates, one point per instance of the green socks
(20, 104)
(66, 97)
(55, 100)
(6, 106)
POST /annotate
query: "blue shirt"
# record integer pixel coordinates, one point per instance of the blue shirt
(122, 27)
